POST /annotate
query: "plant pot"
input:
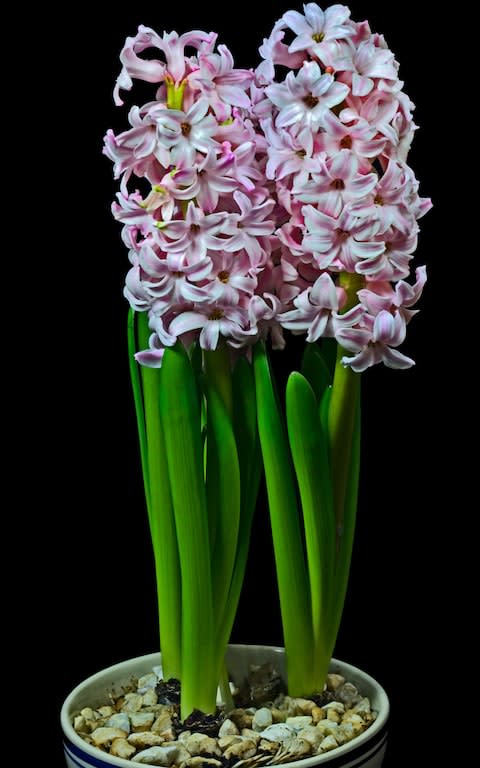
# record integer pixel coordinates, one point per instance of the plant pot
(365, 751)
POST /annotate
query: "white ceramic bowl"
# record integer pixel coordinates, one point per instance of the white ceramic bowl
(365, 751)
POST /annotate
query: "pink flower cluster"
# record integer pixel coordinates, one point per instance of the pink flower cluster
(262, 196)
(200, 237)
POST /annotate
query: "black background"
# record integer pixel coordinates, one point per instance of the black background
(98, 602)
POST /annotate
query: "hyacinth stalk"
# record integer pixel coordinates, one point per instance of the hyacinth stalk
(274, 205)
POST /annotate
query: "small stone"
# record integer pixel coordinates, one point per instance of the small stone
(345, 731)
(156, 756)
(297, 748)
(199, 744)
(228, 728)
(196, 762)
(327, 727)
(149, 698)
(242, 749)
(311, 734)
(119, 720)
(317, 714)
(333, 715)
(226, 741)
(278, 732)
(328, 743)
(363, 707)
(241, 718)
(163, 726)
(141, 721)
(335, 706)
(356, 721)
(158, 671)
(147, 682)
(278, 715)
(348, 695)
(132, 702)
(145, 739)
(261, 719)
(105, 711)
(334, 681)
(299, 721)
(271, 747)
(79, 723)
(304, 706)
(104, 736)
(248, 733)
(88, 713)
(121, 748)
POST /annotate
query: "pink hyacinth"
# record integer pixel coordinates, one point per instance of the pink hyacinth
(247, 201)
(201, 235)
(338, 129)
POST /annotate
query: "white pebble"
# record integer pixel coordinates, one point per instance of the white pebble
(132, 702)
(334, 681)
(299, 722)
(141, 721)
(228, 728)
(278, 732)
(150, 698)
(103, 736)
(157, 756)
(147, 682)
(262, 719)
(327, 744)
(106, 711)
(199, 744)
(145, 739)
(363, 707)
(242, 749)
(79, 723)
(121, 748)
(120, 720)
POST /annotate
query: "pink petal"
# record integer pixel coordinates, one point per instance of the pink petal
(187, 321)
(324, 293)
(394, 359)
(209, 335)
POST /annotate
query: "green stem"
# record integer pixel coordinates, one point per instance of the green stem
(341, 415)
(345, 555)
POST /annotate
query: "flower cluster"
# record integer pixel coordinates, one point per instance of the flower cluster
(338, 129)
(266, 198)
(199, 237)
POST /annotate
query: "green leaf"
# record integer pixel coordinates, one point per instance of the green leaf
(315, 370)
(180, 414)
(328, 349)
(324, 408)
(308, 444)
(290, 562)
(146, 386)
(223, 496)
(250, 464)
(137, 392)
